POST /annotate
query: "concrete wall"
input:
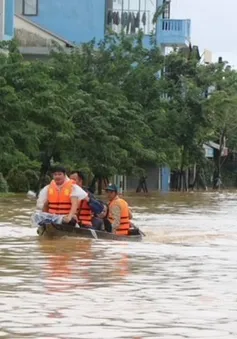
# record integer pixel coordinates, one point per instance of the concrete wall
(153, 180)
(157, 179)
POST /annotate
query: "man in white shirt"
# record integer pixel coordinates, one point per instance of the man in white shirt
(59, 182)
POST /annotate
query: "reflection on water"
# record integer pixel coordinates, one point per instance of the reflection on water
(71, 265)
(178, 283)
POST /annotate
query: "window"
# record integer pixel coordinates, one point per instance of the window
(30, 7)
(166, 13)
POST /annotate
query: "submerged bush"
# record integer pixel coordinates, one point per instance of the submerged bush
(17, 181)
(32, 178)
(3, 184)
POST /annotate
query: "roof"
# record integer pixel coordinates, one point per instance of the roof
(40, 28)
(214, 145)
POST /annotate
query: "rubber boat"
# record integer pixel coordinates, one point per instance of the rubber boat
(52, 230)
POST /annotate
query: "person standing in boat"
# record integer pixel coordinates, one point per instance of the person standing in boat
(119, 214)
(90, 213)
(61, 196)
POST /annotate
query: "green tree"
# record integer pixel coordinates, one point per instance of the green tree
(111, 108)
(223, 105)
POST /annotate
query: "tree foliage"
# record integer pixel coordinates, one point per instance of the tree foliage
(111, 108)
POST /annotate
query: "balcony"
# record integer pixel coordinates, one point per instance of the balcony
(173, 32)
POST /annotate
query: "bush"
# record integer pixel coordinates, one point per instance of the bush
(32, 178)
(17, 181)
(46, 181)
(3, 184)
(229, 178)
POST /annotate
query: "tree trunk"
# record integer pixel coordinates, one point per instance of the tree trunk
(185, 178)
(139, 187)
(217, 172)
(45, 166)
(92, 186)
(201, 179)
(142, 185)
(174, 181)
(182, 175)
(194, 178)
(100, 179)
(106, 181)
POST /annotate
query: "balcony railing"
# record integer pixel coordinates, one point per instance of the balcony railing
(173, 32)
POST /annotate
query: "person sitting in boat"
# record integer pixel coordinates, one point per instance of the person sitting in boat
(119, 214)
(61, 196)
(90, 212)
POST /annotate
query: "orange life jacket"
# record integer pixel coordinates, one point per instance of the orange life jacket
(59, 200)
(124, 217)
(85, 214)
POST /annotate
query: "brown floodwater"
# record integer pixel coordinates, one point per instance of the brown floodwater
(179, 283)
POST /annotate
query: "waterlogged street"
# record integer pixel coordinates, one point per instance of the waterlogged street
(179, 283)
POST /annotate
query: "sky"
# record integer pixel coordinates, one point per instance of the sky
(213, 25)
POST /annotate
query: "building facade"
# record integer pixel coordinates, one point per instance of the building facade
(81, 21)
(6, 19)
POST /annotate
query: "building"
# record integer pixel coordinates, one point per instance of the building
(79, 21)
(6, 19)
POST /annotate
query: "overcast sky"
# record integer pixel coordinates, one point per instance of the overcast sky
(213, 25)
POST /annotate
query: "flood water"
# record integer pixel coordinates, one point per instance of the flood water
(179, 283)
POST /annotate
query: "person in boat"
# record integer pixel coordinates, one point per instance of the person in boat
(90, 212)
(61, 196)
(119, 216)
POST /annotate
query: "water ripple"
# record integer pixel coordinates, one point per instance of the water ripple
(179, 283)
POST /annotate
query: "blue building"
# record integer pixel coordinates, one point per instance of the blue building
(6, 19)
(79, 21)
